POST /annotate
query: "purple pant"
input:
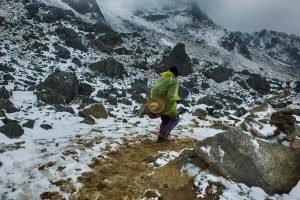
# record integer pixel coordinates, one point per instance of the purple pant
(168, 123)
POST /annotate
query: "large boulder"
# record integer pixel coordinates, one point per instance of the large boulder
(63, 85)
(85, 89)
(235, 155)
(62, 52)
(259, 83)
(219, 74)
(179, 58)
(12, 130)
(109, 67)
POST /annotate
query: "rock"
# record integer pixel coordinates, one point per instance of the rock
(201, 114)
(84, 101)
(12, 130)
(29, 124)
(140, 86)
(46, 126)
(198, 13)
(63, 85)
(6, 68)
(297, 87)
(85, 7)
(77, 61)
(286, 122)
(85, 89)
(88, 120)
(2, 21)
(4, 94)
(142, 111)
(71, 38)
(2, 113)
(155, 17)
(62, 52)
(38, 47)
(96, 110)
(1, 164)
(241, 158)
(102, 47)
(50, 97)
(123, 51)
(112, 99)
(240, 112)
(219, 74)
(110, 40)
(179, 58)
(53, 14)
(210, 101)
(258, 83)
(8, 106)
(109, 67)
(61, 108)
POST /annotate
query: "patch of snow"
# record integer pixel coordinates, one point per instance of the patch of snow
(206, 149)
(190, 170)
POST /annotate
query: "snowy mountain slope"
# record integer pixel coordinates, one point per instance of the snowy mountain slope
(28, 47)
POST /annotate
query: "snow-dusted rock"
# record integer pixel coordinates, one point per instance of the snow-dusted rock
(96, 110)
(219, 74)
(62, 52)
(12, 130)
(271, 166)
(109, 67)
(259, 83)
(179, 58)
(59, 88)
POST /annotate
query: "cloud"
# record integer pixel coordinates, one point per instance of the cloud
(252, 15)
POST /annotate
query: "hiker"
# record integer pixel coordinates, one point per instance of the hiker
(165, 93)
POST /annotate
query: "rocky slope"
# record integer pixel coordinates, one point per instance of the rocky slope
(75, 67)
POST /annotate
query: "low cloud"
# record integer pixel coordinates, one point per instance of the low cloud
(253, 15)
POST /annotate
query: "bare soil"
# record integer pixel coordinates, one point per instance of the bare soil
(127, 174)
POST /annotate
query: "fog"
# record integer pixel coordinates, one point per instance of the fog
(252, 15)
(240, 15)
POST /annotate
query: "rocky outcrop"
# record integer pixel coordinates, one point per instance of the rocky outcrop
(179, 58)
(109, 67)
(259, 83)
(86, 6)
(219, 74)
(8, 106)
(59, 88)
(237, 156)
(4, 94)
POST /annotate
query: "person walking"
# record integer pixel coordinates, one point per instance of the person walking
(166, 89)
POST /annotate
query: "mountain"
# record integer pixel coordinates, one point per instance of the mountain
(75, 74)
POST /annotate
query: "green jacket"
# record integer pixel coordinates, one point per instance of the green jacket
(166, 87)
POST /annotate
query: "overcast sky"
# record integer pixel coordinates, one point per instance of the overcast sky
(252, 15)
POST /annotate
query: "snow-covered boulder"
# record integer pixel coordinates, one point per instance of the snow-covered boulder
(239, 157)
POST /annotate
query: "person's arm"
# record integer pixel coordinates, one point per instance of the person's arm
(173, 91)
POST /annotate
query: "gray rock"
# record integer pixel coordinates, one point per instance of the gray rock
(62, 84)
(12, 130)
(109, 67)
(179, 58)
(219, 74)
(77, 61)
(46, 126)
(110, 40)
(210, 101)
(85, 89)
(233, 154)
(96, 110)
(62, 52)
(86, 6)
(201, 114)
(61, 108)
(4, 94)
(258, 83)
(50, 97)
(8, 106)
(29, 124)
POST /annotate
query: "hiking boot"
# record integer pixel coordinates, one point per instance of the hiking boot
(163, 139)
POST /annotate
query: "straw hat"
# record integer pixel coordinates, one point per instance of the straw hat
(155, 105)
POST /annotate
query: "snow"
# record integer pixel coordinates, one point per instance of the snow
(190, 170)
(255, 145)
(166, 157)
(206, 149)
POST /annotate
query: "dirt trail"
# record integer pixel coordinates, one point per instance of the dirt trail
(126, 173)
